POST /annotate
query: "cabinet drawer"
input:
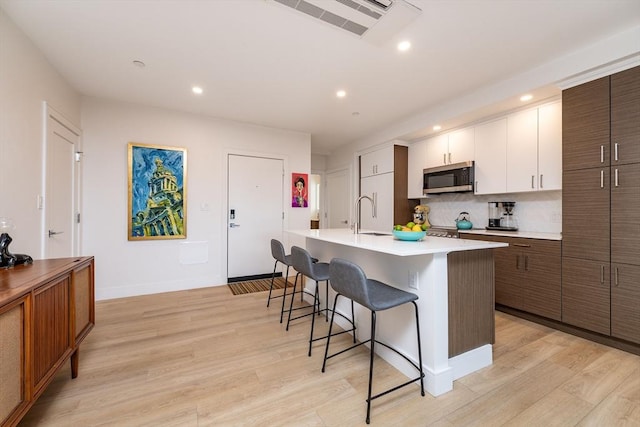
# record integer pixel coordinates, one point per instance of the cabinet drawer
(548, 247)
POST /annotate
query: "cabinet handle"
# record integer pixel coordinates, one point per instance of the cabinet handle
(521, 245)
(602, 179)
(602, 274)
(541, 186)
(533, 178)
(526, 263)
(615, 276)
(517, 262)
(476, 186)
(602, 154)
(449, 158)
(375, 205)
(615, 151)
(444, 158)
(615, 177)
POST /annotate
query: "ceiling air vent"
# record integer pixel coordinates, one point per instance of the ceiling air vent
(373, 20)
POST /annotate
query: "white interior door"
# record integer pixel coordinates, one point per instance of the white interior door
(338, 199)
(60, 202)
(255, 214)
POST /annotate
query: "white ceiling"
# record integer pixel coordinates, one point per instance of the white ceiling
(264, 63)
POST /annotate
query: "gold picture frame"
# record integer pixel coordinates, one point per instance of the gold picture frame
(157, 189)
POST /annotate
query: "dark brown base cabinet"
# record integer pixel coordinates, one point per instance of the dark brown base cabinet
(528, 274)
(46, 311)
(625, 302)
(586, 300)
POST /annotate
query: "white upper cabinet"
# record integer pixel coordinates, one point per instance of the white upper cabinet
(534, 149)
(491, 157)
(452, 147)
(376, 162)
(416, 163)
(522, 151)
(550, 146)
(461, 145)
(516, 153)
(436, 150)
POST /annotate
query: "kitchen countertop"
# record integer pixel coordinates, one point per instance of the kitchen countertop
(519, 234)
(389, 245)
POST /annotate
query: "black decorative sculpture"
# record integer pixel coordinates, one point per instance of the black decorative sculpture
(7, 259)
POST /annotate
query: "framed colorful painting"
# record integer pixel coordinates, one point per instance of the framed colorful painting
(157, 189)
(299, 192)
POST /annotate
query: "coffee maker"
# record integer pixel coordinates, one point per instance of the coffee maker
(501, 216)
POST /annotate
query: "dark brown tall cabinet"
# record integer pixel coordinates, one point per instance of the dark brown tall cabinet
(601, 205)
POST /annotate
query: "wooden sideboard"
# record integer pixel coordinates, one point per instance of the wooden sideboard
(46, 310)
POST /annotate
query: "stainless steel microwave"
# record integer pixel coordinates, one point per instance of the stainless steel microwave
(453, 178)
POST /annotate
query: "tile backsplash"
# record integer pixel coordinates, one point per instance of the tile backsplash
(539, 211)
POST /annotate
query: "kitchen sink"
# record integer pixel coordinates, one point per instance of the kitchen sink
(374, 233)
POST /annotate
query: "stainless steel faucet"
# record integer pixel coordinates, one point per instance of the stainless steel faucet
(356, 224)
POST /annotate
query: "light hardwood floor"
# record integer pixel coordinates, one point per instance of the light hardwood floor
(207, 358)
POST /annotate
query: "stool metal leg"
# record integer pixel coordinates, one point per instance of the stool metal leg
(302, 290)
(373, 341)
(353, 320)
(415, 306)
(333, 315)
(284, 295)
(295, 284)
(275, 265)
(316, 300)
(326, 303)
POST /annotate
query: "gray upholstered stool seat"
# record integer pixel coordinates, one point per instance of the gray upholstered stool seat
(348, 280)
(319, 272)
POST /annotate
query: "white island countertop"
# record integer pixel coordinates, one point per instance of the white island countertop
(390, 245)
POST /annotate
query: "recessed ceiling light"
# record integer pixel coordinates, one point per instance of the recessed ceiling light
(341, 94)
(527, 97)
(404, 45)
(437, 127)
(197, 90)
(355, 113)
(139, 64)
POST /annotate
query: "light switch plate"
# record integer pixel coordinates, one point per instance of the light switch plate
(413, 280)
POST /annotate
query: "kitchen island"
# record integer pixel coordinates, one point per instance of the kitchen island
(454, 280)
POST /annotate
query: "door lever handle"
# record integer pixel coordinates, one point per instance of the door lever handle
(233, 225)
(53, 233)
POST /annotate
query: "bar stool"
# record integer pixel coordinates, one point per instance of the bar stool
(348, 280)
(277, 251)
(319, 272)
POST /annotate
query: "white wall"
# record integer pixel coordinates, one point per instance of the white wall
(26, 81)
(125, 267)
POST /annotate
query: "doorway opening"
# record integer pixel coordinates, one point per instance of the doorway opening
(315, 204)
